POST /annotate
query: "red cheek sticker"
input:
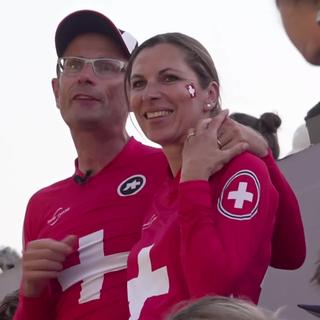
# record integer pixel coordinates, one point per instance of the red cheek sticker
(191, 89)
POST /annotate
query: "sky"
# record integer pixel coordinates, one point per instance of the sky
(260, 71)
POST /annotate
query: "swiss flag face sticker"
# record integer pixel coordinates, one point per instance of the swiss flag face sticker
(240, 196)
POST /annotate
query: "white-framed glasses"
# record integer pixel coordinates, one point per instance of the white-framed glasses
(103, 67)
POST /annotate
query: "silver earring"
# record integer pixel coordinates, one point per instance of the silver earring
(209, 106)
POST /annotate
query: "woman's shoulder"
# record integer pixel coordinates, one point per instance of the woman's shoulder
(244, 163)
(247, 159)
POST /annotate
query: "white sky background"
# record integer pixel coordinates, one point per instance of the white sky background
(259, 70)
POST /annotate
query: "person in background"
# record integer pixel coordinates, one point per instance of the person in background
(221, 308)
(312, 120)
(302, 136)
(301, 19)
(9, 258)
(313, 112)
(301, 139)
(210, 229)
(267, 125)
(9, 305)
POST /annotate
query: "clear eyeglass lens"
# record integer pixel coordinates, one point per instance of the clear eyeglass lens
(103, 67)
(72, 65)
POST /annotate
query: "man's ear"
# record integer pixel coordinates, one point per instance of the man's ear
(55, 89)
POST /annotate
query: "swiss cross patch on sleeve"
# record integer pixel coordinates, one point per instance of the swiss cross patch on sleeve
(239, 198)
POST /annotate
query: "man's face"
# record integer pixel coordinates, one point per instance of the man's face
(87, 100)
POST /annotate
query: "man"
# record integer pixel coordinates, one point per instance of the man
(104, 201)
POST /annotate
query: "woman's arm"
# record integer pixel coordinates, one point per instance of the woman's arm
(288, 242)
(225, 240)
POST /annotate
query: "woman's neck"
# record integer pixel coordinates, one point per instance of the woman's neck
(174, 156)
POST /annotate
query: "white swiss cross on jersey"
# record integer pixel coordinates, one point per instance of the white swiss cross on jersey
(148, 283)
(240, 196)
(94, 264)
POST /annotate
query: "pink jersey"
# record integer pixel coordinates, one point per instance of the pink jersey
(204, 238)
(106, 214)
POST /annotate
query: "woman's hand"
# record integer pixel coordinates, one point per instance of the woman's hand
(203, 154)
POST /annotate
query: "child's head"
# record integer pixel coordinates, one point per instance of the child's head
(221, 308)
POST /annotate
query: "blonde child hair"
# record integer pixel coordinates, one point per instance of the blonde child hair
(222, 308)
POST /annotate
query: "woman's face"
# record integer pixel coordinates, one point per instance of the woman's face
(165, 94)
(299, 20)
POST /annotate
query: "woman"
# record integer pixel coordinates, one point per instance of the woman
(210, 230)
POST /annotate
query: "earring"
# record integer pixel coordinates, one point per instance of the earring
(210, 106)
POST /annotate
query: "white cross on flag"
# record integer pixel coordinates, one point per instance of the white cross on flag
(240, 196)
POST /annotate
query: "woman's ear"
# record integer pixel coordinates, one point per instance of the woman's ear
(213, 92)
(212, 96)
(55, 89)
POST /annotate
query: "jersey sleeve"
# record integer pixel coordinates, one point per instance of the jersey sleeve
(34, 308)
(288, 242)
(226, 226)
(41, 307)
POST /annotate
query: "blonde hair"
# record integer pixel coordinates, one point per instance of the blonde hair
(222, 308)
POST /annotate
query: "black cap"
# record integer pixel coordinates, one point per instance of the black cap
(85, 21)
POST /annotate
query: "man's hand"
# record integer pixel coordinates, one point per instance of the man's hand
(42, 260)
(202, 155)
(232, 133)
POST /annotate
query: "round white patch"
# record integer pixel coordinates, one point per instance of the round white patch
(240, 196)
(131, 185)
